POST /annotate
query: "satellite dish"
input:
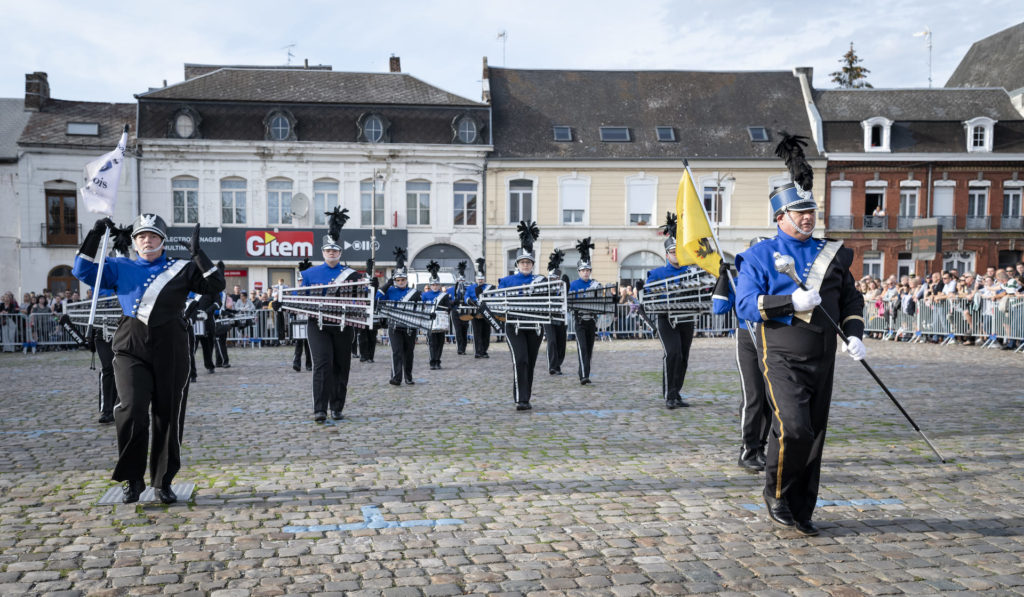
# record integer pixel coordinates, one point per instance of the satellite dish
(300, 205)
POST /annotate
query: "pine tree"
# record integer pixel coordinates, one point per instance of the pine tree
(852, 75)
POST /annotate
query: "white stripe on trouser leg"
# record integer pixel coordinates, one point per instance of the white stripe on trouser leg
(579, 353)
(313, 359)
(101, 390)
(664, 362)
(743, 388)
(515, 370)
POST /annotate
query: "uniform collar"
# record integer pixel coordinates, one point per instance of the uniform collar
(161, 260)
(789, 239)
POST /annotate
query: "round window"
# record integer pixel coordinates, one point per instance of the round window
(373, 129)
(184, 126)
(280, 128)
(467, 131)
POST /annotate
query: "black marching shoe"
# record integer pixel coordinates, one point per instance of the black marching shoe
(551, 371)
(309, 367)
(461, 352)
(395, 382)
(227, 365)
(680, 403)
(523, 406)
(584, 381)
(749, 461)
(336, 415)
(670, 404)
(106, 418)
(778, 511)
(209, 370)
(410, 382)
(296, 367)
(166, 494)
(132, 490)
(485, 356)
(193, 378)
(807, 528)
(319, 416)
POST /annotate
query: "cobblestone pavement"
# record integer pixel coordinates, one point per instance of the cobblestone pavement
(597, 491)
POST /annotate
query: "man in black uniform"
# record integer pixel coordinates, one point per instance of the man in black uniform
(556, 333)
(457, 294)
(796, 342)
(368, 335)
(586, 325)
(481, 329)
(403, 338)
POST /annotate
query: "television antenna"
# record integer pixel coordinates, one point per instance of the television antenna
(927, 35)
(503, 36)
(290, 53)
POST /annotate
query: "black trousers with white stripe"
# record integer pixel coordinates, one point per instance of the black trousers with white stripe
(108, 389)
(586, 332)
(461, 330)
(331, 348)
(675, 341)
(435, 346)
(403, 343)
(209, 344)
(556, 334)
(755, 414)
(481, 336)
(367, 343)
(151, 371)
(525, 346)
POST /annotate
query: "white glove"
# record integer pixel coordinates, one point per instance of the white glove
(856, 348)
(805, 300)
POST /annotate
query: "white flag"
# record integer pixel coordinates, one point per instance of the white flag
(101, 179)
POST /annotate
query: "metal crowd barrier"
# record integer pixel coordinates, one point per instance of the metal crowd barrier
(985, 321)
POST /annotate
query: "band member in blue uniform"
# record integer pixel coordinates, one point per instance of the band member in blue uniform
(755, 412)
(368, 335)
(796, 343)
(151, 364)
(481, 329)
(403, 338)
(457, 296)
(330, 343)
(302, 344)
(675, 339)
(122, 241)
(586, 324)
(556, 333)
(434, 294)
(523, 341)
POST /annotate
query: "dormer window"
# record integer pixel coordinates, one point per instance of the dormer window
(877, 133)
(465, 129)
(979, 134)
(91, 129)
(184, 124)
(374, 128)
(615, 134)
(279, 125)
(563, 133)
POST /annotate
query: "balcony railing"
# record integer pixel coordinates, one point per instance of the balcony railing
(905, 222)
(840, 222)
(55, 237)
(876, 223)
(1012, 223)
(947, 222)
(977, 222)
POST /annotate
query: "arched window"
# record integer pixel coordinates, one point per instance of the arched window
(636, 266)
(448, 256)
(60, 279)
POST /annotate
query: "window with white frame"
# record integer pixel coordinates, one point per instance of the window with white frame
(279, 201)
(325, 199)
(904, 265)
(232, 201)
(840, 203)
(979, 134)
(520, 201)
(465, 199)
(573, 195)
(942, 200)
(465, 130)
(873, 264)
(641, 197)
(185, 191)
(908, 202)
(1011, 202)
(876, 133)
(369, 194)
(417, 203)
(713, 194)
(961, 261)
(977, 202)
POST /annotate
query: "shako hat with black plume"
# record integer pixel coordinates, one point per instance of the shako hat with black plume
(461, 270)
(669, 230)
(434, 268)
(528, 234)
(335, 222)
(554, 261)
(481, 268)
(583, 247)
(400, 270)
(796, 195)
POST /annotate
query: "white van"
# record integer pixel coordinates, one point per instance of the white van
(418, 280)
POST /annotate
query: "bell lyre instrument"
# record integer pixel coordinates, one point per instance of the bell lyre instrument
(529, 306)
(343, 303)
(682, 298)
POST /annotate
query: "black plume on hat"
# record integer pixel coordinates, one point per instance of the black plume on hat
(791, 149)
(122, 239)
(400, 257)
(220, 265)
(584, 246)
(669, 229)
(433, 267)
(336, 221)
(555, 260)
(481, 265)
(461, 268)
(528, 233)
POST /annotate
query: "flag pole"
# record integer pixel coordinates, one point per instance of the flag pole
(89, 331)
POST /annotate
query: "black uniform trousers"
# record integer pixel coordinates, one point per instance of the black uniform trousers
(461, 329)
(755, 412)
(108, 389)
(797, 364)
(403, 342)
(209, 345)
(675, 341)
(435, 344)
(221, 349)
(151, 369)
(331, 348)
(556, 334)
(367, 343)
(192, 344)
(481, 336)
(525, 346)
(355, 343)
(586, 332)
(301, 346)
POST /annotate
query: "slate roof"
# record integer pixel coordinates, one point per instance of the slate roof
(13, 118)
(307, 86)
(996, 61)
(49, 125)
(709, 111)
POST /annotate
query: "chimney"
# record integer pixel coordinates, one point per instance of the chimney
(395, 64)
(37, 91)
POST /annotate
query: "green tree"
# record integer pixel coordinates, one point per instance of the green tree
(852, 75)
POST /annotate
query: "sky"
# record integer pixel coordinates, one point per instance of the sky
(112, 51)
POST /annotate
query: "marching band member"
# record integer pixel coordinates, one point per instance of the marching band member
(434, 294)
(206, 308)
(795, 341)
(586, 324)
(457, 296)
(151, 363)
(122, 241)
(481, 329)
(555, 333)
(523, 343)
(675, 339)
(302, 344)
(329, 343)
(368, 335)
(403, 338)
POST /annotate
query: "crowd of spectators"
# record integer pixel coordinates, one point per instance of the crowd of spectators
(965, 302)
(26, 333)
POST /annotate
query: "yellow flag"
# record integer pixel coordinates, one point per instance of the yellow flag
(694, 242)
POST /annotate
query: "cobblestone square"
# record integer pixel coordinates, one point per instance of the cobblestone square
(442, 488)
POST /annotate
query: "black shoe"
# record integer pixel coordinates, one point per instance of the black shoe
(309, 367)
(671, 404)
(362, 360)
(680, 403)
(193, 379)
(806, 527)
(410, 382)
(227, 365)
(761, 458)
(485, 356)
(778, 511)
(523, 406)
(395, 382)
(106, 418)
(297, 367)
(584, 381)
(369, 360)
(166, 495)
(336, 415)
(558, 371)
(477, 356)
(749, 461)
(132, 490)
(461, 352)
(551, 371)
(319, 416)
(209, 369)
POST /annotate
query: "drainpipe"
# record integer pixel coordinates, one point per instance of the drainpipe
(928, 194)
(483, 211)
